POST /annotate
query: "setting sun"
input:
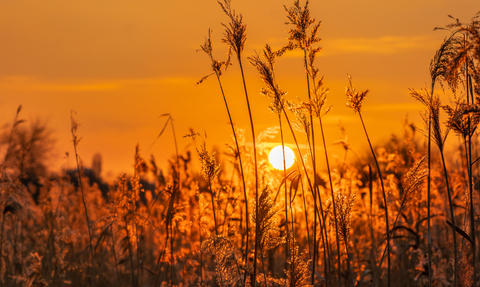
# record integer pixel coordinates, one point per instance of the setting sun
(276, 159)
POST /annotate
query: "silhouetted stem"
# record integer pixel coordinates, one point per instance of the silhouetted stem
(241, 169)
(285, 176)
(171, 255)
(429, 232)
(309, 183)
(213, 205)
(10, 141)
(306, 219)
(472, 210)
(385, 249)
(200, 252)
(372, 253)
(312, 148)
(403, 202)
(138, 258)
(314, 163)
(385, 202)
(470, 177)
(349, 269)
(86, 213)
(177, 173)
(160, 259)
(130, 252)
(452, 214)
(255, 163)
(333, 199)
(115, 256)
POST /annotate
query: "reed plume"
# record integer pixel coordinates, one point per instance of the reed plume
(355, 100)
(438, 70)
(235, 37)
(217, 67)
(273, 91)
(301, 123)
(343, 203)
(432, 104)
(411, 183)
(76, 140)
(413, 180)
(463, 66)
(316, 107)
(267, 223)
(226, 263)
(210, 171)
(464, 120)
(303, 36)
(298, 274)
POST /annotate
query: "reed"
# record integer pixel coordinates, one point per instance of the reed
(217, 66)
(304, 36)
(193, 226)
(273, 90)
(355, 100)
(235, 37)
(432, 104)
(76, 140)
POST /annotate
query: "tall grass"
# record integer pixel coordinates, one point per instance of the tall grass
(235, 38)
(217, 66)
(75, 140)
(355, 100)
(185, 227)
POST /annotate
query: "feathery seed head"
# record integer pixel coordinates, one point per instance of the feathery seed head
(207, 46)
(302, 122)
(216, 65)
(438, 135)
(235, 32)
(432, 105)
(298, 272)
(74, 128)
(316, 104)
(413, 179)
(210, 169)
(191, 135)
(464, 119)
(459, 52)
(343, 205)
(135, 180)
(354, 98)
(440, 65)
(225, 259)
(265, 69)
(266, 222)
(299, 36)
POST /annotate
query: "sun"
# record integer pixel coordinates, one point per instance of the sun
(276, 159)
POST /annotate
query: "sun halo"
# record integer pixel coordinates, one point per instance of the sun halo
(276, 159)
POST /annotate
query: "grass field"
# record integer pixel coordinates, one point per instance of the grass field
(403, 213)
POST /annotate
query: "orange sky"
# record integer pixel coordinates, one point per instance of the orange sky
(121, 64)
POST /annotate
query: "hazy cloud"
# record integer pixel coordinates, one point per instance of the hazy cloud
(378, 45)
(24, 83)
(399, 107)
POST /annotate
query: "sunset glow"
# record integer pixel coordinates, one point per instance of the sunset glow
(276, 158)
(140, 143)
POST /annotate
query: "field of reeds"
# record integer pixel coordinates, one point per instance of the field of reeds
(404, 213)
